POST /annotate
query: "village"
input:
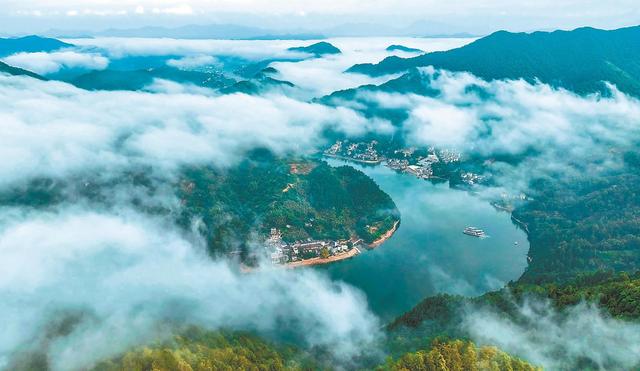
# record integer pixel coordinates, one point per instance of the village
(403, 160)
(309, 252)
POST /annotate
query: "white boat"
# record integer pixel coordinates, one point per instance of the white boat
(473, 231)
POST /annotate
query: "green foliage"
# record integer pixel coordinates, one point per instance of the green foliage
(457, 355)
(196, 350)
(262, 193)
(583, 224)
(616, 294)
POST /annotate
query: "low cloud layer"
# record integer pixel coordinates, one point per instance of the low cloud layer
(118, 47)
(549, 130)
(130, 273)
(77, 131)
(582, 337)
(48, 63)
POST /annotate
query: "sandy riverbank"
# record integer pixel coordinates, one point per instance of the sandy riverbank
(317, 261)
(385, 236)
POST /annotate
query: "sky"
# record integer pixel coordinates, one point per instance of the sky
(431, 16)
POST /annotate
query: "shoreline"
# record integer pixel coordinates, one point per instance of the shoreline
(388, 234)
(369, 162)
(319, 261)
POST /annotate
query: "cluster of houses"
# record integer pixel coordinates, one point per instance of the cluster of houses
(404, 159)
(281, 252)
(365, 152)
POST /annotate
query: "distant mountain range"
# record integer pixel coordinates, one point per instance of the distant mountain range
(234, 31)
(579, 60)
(211, 31)
(30, 44)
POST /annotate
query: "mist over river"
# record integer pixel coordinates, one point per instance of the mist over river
(429, 254)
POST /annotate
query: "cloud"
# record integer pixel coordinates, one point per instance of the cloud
(47, 63)
(191, 62)
(580, 338)
(323, 76)
(74, 131)
(131, 273)
(552, 131)
(119, 47)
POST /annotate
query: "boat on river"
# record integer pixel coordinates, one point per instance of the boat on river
(475, 232)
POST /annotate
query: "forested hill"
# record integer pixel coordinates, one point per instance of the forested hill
(30, 44)
(579, 60)
(583, 224)
(303, 198)
(617, 295)
(5, 68)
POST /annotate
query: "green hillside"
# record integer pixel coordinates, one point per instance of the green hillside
(579, 60)
(15, 71)
(135, 80)
(304, 199)
(318, 49)
(30, 44)
(457, 355)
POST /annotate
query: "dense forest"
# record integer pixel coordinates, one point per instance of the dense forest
(197, 349)
(457, 355)
(617, 294)
(579, 60)
(304, 199)
(588, 223)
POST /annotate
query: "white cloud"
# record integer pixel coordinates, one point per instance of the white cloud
(118, 47)
(322, 76)
(557, 340)
(47, 63)
(54, 129)
(195, 61)
(133, 275)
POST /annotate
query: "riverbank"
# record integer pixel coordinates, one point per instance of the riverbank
(385, 236)
(368, 162)
(319, 261)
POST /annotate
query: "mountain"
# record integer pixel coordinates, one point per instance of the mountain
(578, 60)
(258, 83)
(317, 49)
(616, 295)
(402, 48)
(5, 68)
(30, 44)
(110, 79)
(210, 31)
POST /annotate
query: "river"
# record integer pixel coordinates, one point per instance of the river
(429, 254)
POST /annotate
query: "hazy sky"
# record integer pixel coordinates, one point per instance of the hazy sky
(476, 16)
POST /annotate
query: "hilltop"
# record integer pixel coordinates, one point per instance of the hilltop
(579, 60)
(5, 68)
(317, 49)
(30, 44)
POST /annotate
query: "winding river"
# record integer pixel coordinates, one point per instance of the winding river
(429, 254)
